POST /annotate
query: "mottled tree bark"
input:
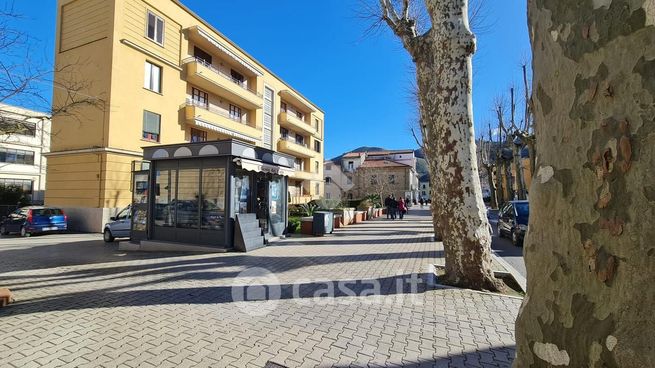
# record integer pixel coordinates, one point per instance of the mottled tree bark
(589, 253)
(442, 57)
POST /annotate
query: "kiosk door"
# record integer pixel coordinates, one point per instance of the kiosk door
(140, 199)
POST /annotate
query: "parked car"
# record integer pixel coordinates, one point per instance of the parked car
(34, 219)
(513, 221)
(120, 225)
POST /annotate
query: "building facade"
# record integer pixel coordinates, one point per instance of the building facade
(378, 172)
(164, 76)
(424, 187)
(24, 138)
(337, 181)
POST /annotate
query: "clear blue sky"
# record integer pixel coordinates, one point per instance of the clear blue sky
(362, 83)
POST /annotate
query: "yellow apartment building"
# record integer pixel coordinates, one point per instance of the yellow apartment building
(162, 75)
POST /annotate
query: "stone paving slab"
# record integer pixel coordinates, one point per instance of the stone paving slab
(343, 300)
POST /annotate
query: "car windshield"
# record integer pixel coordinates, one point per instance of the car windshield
(522, 209)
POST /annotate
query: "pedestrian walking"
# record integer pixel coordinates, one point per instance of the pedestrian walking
(421, 201)
(402, 208)
(388, 206)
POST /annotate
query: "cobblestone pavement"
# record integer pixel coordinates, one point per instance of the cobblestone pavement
(82, 303)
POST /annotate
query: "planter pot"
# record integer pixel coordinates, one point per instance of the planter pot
(306, 225)
(348, 215)
(338, 221)
(359, 217)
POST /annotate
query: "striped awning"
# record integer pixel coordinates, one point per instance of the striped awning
(203, 124)
(219, 45)
(258, 166)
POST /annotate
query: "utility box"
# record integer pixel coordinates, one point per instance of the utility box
(323, 223)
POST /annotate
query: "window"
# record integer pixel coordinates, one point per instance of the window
(328, 180)
(237, 77)
(317, 189)
(10, 126)
(24, 185)
(328, 196)
(298, 165)
(392, 179)
(317, 125)
(198, 135)
(316, 165)
(374, 179)
(317, 146)
(151, 126)
(235, 113)
(300, 139)
(152, 79)
(328, 167)
(284, 133)
(349, 180)
(202, 55)
(155, 29)
(16, 156)
(283, 106)
(200, 98)
(300, 115)
(351, 165)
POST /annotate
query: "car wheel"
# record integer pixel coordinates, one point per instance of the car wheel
(3, 230)
(107, 236)
(23, 232)
(516, 240)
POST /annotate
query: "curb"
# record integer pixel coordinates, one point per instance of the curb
(520, 280)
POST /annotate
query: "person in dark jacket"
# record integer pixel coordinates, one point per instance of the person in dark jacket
(388, 206)
(394, 207)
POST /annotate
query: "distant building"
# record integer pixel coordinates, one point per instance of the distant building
(424, 187)
(367, 173)
(337, 181)
(24, 137)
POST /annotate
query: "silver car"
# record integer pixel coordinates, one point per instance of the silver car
(120, 225)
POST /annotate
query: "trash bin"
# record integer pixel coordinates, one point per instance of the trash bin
(323, 223)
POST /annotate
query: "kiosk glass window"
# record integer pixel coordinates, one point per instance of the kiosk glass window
(187, 198)
(277, 217)
(241, 193)
(165, 183)
(213, 199)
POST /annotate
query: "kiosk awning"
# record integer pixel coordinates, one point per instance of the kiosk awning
(258, 166)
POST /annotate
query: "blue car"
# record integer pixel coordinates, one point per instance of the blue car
(34, 219)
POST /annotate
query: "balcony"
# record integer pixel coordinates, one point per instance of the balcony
(220, 82)
(286, 145)
(209, 117)
(290, 120)
(304, 175)
(297, 100)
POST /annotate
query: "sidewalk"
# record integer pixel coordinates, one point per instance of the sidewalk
(167, 310)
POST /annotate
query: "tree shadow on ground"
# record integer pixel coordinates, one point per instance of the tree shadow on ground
(241, 290)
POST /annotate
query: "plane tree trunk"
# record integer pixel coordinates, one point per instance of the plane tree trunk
(442, 57)
(589, 252)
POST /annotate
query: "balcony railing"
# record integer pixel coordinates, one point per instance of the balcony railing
(289, 139)
(214, 110)
(219, 71)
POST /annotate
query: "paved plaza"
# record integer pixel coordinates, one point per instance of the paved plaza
(359, 297)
